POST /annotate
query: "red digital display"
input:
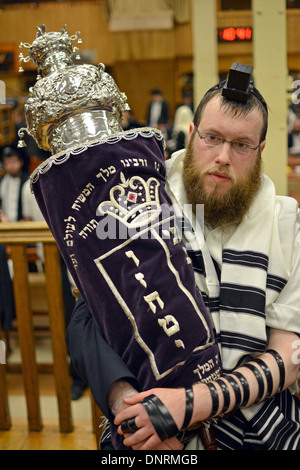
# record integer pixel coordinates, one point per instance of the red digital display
(234, 34)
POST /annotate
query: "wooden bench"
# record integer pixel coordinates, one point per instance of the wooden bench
(29, 291)
(294, 177)
(18, 235)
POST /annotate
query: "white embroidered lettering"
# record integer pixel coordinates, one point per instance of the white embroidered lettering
(151, 298)
(140, 278)
(130, 254)
(169, 320)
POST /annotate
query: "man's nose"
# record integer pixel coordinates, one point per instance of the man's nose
(224, 154)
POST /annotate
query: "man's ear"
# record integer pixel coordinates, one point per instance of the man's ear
(262, 146)
(191, 130)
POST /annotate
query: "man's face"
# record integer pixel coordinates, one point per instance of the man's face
(156, 98)
(12, 165)
(222, 179)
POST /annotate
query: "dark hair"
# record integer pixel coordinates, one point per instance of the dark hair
(235, 108)
(10, 152)
(156, 91)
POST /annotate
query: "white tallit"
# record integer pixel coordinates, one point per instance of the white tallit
(249, 278)
(259, 261)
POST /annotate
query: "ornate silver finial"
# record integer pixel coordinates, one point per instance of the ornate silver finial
(50, 51)
(70, 104)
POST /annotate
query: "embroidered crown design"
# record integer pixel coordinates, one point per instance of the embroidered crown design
(135, 202)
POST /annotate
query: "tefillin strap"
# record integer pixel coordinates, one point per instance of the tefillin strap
(239, 85)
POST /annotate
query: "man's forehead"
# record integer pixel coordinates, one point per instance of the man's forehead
(231, 122)
(11, 157)
(217, 106)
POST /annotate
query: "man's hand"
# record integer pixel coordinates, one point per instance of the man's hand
(146, 438)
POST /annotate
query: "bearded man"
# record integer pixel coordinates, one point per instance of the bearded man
(247, 267)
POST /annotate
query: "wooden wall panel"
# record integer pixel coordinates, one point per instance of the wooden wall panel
(143, 45)
(234, 51)
(19, 24)
(234, 18)
(184, 40)
(293, 31)
(137, 78)
(293, 39)
(140, 60)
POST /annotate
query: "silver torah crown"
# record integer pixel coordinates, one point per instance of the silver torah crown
(70, 105)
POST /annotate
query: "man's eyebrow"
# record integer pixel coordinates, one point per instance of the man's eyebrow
(212, 130)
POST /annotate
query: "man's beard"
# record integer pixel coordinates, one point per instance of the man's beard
(221, 209)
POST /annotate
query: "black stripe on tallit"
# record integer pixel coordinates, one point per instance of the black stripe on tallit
(252, 259)
(275, 282)
(212, 303)
(196, 257)
(241, 341)
(242, 299)
(276, 426)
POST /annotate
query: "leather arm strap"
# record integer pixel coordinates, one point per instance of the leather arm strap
(160, 417)
(162, 420)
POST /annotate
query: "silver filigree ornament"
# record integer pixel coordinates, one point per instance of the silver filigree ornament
(70, 105)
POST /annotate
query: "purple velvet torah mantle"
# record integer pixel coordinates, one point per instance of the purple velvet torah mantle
(114, 225)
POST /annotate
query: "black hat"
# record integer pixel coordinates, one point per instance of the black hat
(156, 91)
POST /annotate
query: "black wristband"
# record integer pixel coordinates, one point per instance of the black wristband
(260, 381)
(281, 368)
(215, 398)
(268, 375)
(226, 394)
(245, 386)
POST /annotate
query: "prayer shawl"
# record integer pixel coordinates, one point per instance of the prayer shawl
(249, 278)
(113, 222)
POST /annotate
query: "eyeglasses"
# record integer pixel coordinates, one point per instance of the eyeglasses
(216, 141)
